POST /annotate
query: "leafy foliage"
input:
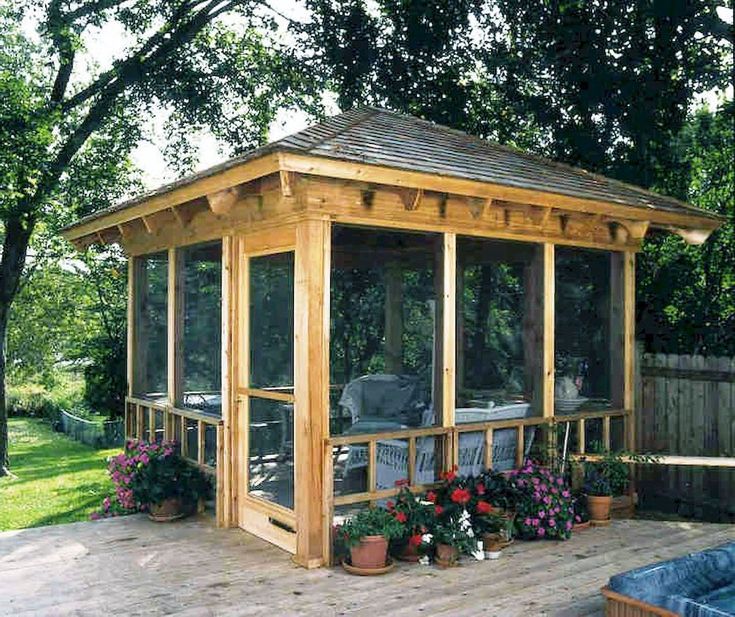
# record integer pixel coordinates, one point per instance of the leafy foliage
(371, 522)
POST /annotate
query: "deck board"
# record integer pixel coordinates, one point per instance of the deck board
(134, 567)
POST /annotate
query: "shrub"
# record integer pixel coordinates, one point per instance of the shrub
(544, 505)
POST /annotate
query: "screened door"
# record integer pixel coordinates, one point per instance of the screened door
(266, 390)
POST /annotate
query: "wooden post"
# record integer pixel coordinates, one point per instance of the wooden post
(225, 503)
(132, 264)
(449, 331)
(394, 319)
(547, 385)
(629, 348)
(174, 326)
(311, 385)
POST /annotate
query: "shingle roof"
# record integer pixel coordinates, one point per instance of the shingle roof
(382, 137)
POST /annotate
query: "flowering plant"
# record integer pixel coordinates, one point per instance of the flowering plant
(413, 513)
(579, 503)
(148, 473)
(544, 505)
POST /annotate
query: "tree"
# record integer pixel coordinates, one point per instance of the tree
(66, 130)
(697, 315)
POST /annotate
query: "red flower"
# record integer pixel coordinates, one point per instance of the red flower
(390, 505)
(480, 488)
(403, 482)
(414, 540)
(483, 507)
(460, 495)
(450, 476)
(438, 510)
(431, 496)
(401, 517)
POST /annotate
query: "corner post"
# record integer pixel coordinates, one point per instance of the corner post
(629, 348)
(449, 343)
(311, 384)
(549, 300)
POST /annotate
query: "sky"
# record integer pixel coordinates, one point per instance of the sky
(109, 42)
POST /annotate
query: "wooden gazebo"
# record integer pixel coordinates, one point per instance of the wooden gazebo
(376, 298)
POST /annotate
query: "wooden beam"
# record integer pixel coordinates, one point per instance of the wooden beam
(694, 237)
(178, 217)
(477, 206)
(311, 387)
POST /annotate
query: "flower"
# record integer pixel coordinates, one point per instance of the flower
(415, 539)
(390, 505)
(541, 532)
(401, 517)
(460, 495)
(483, 507)
(431, 496)
(480, 488)
(438, 510)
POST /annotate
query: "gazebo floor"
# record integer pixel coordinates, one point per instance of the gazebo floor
(132, 566)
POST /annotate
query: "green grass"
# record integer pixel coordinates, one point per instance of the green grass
(58, 480)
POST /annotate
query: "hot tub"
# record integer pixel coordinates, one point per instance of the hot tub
(697, 585)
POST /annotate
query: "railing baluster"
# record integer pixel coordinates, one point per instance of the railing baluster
(184, 438)
(411, 460)
(200, 442)
(581, 436)
(520, 446)
(372, 451)
(139, 427)
(151, 424)
(606, 433)
(488, 448)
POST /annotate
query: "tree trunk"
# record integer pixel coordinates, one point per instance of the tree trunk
(18, 231)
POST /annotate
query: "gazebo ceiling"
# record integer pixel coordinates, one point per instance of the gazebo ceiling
(414, 160)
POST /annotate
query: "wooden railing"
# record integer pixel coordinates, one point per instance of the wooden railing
(196, 433)
(449, 447)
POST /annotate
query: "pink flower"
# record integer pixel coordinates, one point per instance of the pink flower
(535, 522)
(569, 525)
(565, 494)
(541, 532)
(541, 514)
(527, 522)
(552, 522)
(560, 481)
(144, 458)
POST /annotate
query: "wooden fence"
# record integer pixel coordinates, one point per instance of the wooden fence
(686, 407)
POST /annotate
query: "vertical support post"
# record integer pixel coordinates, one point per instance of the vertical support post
(184, 437)
(520, 445)
(201, 427)
(547, 385)
(411, 468)
(582, 436)
(449, 332)
(225, 502)
(311, 385)
(629, 348)
(241, 373)
(394, 319)
(606, 433)
(130, 366)
(371, 467)
(174, 326)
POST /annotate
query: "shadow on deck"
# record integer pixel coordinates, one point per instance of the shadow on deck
(134, 567)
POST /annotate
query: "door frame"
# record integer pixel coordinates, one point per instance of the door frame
(269, 521)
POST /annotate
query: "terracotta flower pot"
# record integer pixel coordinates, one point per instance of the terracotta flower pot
(493, 542)
(581, 526)
(169, 509)
(599, 507)
(372, 552)
(410, 553)
(446, 555)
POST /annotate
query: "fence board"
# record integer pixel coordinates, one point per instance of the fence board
(687, 407)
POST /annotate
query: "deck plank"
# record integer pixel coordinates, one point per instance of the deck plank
(132, 566)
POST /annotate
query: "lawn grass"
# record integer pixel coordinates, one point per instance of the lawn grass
(59, 480)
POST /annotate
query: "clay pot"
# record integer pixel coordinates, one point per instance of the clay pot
(410, 553)
(493, 542)
(599, 507)
(370, 553)
(446, 555)
(168, 510)
(581, 526)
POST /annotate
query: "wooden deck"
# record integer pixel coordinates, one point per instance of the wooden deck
(134, 567)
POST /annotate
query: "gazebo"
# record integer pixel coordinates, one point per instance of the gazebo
(378, 298)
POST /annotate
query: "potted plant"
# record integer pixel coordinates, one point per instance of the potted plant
(497, 489)
(414, 514)
(494, 529)
(544, 503)
(367, 535)
(452, 536)
(599, 495)
(151, 477)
